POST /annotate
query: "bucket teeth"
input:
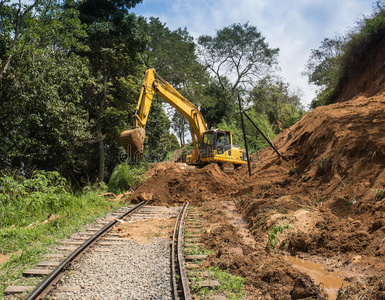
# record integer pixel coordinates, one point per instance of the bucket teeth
(133, 141)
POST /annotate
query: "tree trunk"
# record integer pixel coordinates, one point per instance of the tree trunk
(6, 65)
(102, 154)
(180, 138)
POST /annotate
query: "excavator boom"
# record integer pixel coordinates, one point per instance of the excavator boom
(209, 149)
(132, 140)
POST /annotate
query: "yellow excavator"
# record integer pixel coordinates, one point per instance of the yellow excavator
(209, 145)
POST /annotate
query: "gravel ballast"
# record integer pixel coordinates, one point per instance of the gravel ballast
(126, 269)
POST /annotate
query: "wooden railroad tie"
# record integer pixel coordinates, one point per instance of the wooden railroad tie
(12, 289)
(36, 272)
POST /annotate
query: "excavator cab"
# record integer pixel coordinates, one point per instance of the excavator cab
(222, 141)
(217, 146)
(215, 141)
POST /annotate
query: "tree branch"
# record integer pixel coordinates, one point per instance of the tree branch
(18, 25)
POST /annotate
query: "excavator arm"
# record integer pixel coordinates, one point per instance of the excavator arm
(133, 140)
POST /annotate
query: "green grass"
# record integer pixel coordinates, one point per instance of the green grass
(230, 285)
(380, 194)
(273, 239)
(125, 176)
(196, 250)
(25, 202)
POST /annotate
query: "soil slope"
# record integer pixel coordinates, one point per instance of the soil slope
(368, 76)
(329, 189)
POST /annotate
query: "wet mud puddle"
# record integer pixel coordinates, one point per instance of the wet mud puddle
(236, 220)
(329, 281)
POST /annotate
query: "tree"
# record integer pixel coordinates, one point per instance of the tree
(217, 103)
(270, 97)
(181, 126)
(172, 54)
(238, 52)
(42, 122)
(157, 127)
(338, 60)
(45, 25)
(321, 66)
(114, 43)
(323, 70)
(255, 140)
(13, 24)
(172, 143)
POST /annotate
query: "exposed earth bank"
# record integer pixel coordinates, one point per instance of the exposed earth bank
(326, 197)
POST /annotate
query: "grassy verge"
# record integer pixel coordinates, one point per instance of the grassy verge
(24, 206)
(229, 285)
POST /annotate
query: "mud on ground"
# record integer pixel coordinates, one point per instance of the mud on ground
(327, 195)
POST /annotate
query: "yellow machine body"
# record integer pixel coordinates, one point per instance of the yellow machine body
(209, 145)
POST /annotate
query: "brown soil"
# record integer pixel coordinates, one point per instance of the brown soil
(133, 142)
(3, 258)
(173, 184)
(329, 189)
(144, 231)
(367, 78)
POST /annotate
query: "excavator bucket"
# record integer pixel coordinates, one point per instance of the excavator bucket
(133, 141)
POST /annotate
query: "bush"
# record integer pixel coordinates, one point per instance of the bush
(125, 176)
(26, 200)
(324, 97)
(26, 203)
(370, 32)
(26, 232)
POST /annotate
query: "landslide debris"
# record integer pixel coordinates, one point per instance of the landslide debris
(330, 189)
(173, 184)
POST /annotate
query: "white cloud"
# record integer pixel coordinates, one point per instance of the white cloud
(294, 26)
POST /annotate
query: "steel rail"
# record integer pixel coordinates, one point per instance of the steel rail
(182, 270)
(173, 250)
(51, 277)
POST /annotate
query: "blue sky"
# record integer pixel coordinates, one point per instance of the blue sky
(293, 26)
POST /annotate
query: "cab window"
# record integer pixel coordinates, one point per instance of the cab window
(223, 138)
(208, 138)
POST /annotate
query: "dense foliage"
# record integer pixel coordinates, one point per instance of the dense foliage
(27, 204)
(337, 59)
(37, 212)
(239, 52)
(71, 73)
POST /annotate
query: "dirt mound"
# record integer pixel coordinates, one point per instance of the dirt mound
(324, 199)
(173, 184)
(330, 188)
(334, 160)
(333, 147)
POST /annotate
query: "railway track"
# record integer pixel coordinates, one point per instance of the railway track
(103, 239)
